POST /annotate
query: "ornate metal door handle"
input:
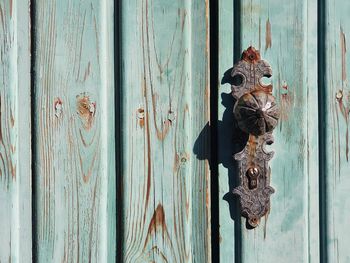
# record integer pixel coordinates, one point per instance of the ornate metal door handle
(257, 114)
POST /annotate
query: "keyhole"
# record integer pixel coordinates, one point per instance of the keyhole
(253, 174)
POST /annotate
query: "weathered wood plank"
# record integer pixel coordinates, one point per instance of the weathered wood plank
(74, 120)
(165, 96)
(286, 35)
(15, 133)
(336, 123)
(229, 219)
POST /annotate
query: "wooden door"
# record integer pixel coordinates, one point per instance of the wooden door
(117, 131)
(286, 35)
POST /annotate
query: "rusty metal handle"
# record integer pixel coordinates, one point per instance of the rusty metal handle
(257, 114)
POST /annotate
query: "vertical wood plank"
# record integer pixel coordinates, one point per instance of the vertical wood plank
(74, 120)
(336, 124)
(229, 219)
(286, 35)
(165, 96)
(15, 133)
(199, 229)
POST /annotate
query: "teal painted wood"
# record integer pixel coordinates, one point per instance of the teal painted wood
(286, 36)
(15, 133)
(74, 120)
(165, 97)
(230, 230)
(337, 105)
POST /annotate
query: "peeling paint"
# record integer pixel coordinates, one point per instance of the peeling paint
(58, 105)
(344, 109)
(259, 33)
(339, 95)
(87, 71)
(11, 7)
(286, 100)
(157, 225)
(268, 36)
(141, 117)
(343, 51)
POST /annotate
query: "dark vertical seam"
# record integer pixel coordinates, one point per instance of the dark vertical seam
(118, 130)
(322, 120)
(237, 27)
(214, 78)
(35, 233)
(237, 49)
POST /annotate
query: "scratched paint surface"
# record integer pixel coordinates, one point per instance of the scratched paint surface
(165, 132)
(337, 131)
(15, 176)
(165, 126)
(286, 36)
(74, 120)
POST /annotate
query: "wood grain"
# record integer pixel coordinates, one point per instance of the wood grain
(165, 96)
(15, 133)
(286, 36)
(74, 120)
(336, 123)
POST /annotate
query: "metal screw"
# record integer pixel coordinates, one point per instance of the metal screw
(171, 116)
(140, 113)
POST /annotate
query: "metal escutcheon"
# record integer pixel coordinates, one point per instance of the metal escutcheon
(257, 114)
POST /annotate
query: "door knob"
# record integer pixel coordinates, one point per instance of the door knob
(257, 114)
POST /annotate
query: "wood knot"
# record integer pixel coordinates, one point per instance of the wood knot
(86, 109)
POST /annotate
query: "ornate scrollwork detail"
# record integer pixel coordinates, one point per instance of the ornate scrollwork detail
(257, 114)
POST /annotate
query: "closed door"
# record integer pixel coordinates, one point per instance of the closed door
(118, 131)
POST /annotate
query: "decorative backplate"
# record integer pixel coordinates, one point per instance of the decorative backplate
(257, 114)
